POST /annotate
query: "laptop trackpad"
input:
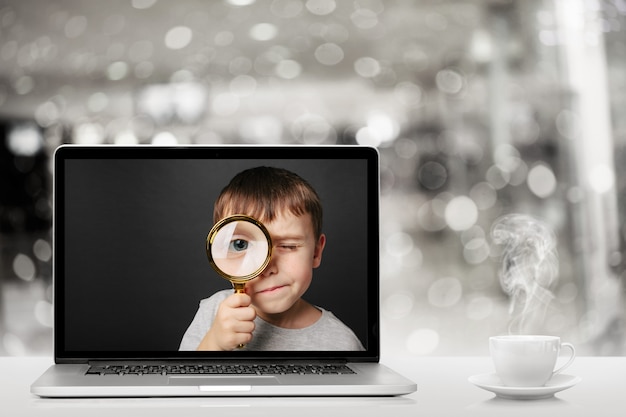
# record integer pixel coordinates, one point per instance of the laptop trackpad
(223, 382)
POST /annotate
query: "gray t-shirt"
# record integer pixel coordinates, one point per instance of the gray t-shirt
(328, 333)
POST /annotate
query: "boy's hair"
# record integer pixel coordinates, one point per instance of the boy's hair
(264, 192)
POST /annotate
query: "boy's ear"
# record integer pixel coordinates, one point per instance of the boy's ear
(319, 248)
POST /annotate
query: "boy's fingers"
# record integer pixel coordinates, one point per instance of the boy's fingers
(241, 334)
(238, 300)
(245, 327)
(245, 314)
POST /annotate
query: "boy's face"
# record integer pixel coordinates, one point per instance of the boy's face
(295, 253)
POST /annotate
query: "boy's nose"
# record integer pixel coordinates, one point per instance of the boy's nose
(270, 269)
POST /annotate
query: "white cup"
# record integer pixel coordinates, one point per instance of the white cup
(527, 360)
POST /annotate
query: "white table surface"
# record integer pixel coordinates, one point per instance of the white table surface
(443, 390)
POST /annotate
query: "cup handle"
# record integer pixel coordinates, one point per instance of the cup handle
(569, 362)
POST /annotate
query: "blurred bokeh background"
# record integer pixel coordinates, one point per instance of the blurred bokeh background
(480, 109)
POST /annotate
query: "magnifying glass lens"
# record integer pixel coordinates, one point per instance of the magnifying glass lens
(239, 249)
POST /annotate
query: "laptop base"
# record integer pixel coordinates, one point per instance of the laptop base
(71, 380)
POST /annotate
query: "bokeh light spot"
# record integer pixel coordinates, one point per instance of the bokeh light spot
(399, 244)
(408, 93)
(449, 81)
(484, 195)
(117, 70)
(367, 67)
(42, 250)
(541, 181)
(432, 175)
(288, 69)
(329, 54)
(476, 251)
(25, 140)
(164, 139)
(24, 267)
(461, 213)
(143, 4)
(178, 37)
(263, 32)
(364, 18)
(445, 292)
(321, 7)
(286, 9)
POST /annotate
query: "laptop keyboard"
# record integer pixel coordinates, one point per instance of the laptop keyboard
(221, 369)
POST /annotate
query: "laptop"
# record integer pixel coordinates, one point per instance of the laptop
(131, 274)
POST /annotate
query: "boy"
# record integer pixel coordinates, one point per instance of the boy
(272, 315)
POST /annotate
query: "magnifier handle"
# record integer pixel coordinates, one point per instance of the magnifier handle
(239, 289)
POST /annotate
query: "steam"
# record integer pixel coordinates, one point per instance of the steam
(529, 268)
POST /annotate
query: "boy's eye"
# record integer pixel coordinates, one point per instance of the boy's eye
(289, 247)
(238, 245)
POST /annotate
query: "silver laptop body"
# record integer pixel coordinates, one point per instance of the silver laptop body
(130, 269)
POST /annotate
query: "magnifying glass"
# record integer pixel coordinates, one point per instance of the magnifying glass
(239, 248)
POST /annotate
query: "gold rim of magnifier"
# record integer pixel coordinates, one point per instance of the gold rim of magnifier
(211, 237)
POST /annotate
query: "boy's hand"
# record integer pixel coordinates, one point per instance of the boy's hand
(233, 324)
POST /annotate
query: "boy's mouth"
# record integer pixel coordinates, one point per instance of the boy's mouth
(270, 289)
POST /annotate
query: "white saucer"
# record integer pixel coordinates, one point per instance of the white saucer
(491, 382)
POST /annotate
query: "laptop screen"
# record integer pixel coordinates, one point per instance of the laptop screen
(132, 276)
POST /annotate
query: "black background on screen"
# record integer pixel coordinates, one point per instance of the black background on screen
(135, 231)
